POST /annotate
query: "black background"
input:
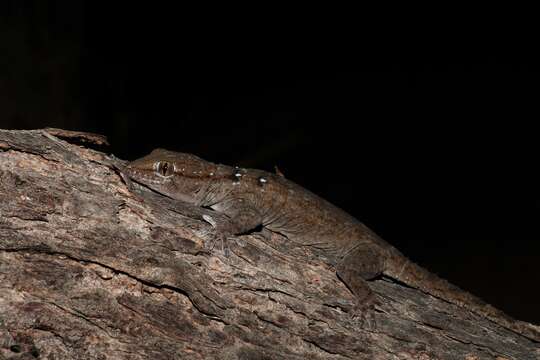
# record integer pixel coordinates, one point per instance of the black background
(433, 144)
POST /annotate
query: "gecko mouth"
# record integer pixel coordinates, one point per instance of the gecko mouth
(140, 176)
(152, 189)
(131, 176)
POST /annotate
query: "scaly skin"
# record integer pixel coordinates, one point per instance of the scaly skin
(251, 198)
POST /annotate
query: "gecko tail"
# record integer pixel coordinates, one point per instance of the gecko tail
(399, 268)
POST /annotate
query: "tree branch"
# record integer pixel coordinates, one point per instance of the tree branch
(90, 269)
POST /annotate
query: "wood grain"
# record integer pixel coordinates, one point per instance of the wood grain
(90, 269)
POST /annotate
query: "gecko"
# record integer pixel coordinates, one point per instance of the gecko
(253, 198)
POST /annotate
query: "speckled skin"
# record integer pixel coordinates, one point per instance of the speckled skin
(251, 198)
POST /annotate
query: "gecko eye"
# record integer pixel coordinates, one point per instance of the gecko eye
(164, 168)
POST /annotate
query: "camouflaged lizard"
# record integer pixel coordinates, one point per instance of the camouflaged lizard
(253, 198)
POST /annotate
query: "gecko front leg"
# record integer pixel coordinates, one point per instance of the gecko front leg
(242, 219)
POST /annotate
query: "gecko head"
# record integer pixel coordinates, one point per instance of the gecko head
(180, 176)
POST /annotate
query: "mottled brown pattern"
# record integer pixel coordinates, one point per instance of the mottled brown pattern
(92, 269)
(305, 219)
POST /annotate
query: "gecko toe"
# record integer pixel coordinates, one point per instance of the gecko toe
(222, 242)
(225, 247)
(364, 312)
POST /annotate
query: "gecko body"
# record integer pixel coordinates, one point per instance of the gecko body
(251, 198)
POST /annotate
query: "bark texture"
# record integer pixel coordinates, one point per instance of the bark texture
(92, 270)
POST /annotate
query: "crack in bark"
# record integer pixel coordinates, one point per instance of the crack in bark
(266, 290)
(75, 313)
(326, 351)
(55, 334)
(298, 335)
(15, 148)
(281, 327)
(142, 281)
(480, 347)
(165, 334)
(336, 307)
(36, 219)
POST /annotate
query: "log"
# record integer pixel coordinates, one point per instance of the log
(93, 269)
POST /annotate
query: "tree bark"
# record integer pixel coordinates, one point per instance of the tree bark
(91, 269)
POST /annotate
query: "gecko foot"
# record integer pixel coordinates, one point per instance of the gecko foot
(364, 313)
(225, 246)
(219, 243)
(220, 237)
